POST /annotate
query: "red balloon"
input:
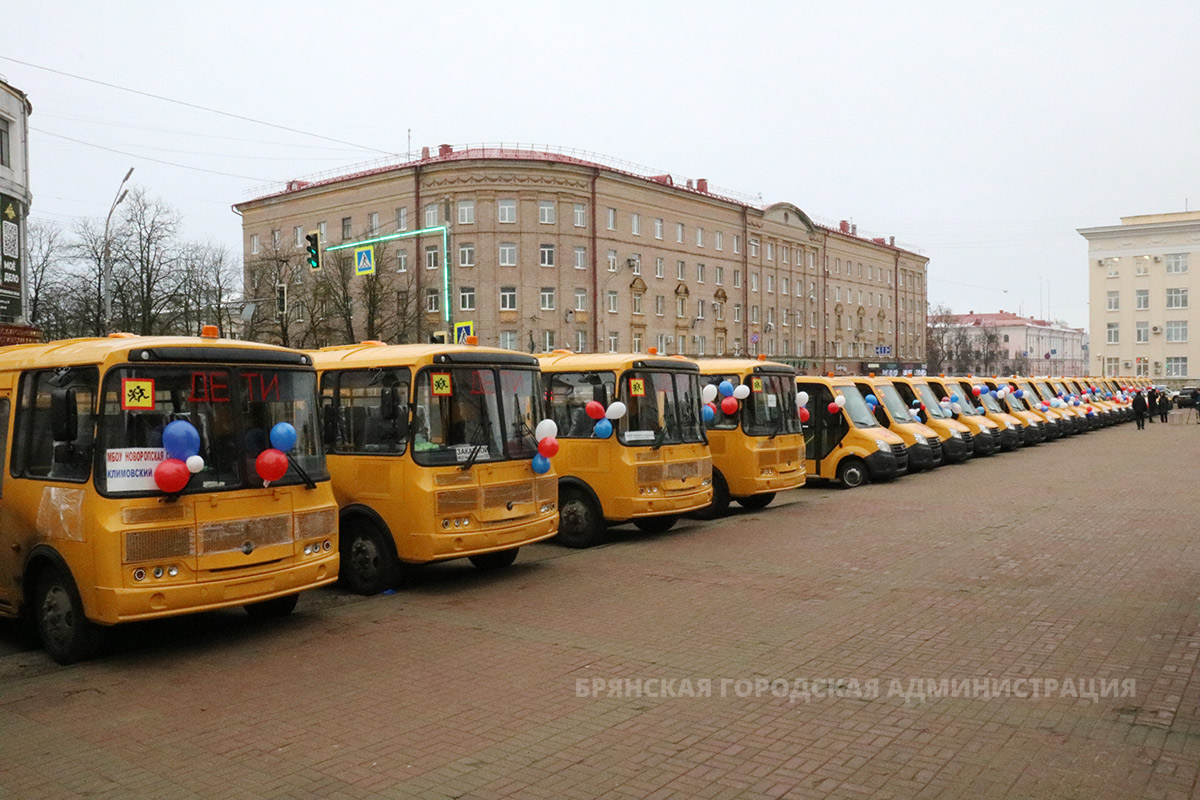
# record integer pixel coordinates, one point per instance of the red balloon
(271, 464)
(804, 415)
(548, 447)
(833, 408)
(729, 405)
(594, 409)
(975, 391)
(713, 406)
(922, 406)
(171, 475)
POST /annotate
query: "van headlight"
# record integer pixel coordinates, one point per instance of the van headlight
(883, 446)
(955, 434)
(920, 439)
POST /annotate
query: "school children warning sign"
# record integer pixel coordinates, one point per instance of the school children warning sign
(131, 469)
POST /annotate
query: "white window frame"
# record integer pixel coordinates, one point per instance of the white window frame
(466, 212)
(507, 249)
(466, 254)
(508, 298)
(546, 298)
(546, 212)
(506, 211)
(546, 255)
(466, 298)
(580, 215)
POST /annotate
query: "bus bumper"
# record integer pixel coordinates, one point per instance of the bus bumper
(745, 487)
(883, 466)
(627, 508)
(459, 544)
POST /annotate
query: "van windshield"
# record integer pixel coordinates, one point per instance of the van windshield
(933, 405)
(893, 402)
(856, 406)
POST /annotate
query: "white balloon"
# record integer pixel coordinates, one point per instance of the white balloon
(956, 408)
(615, 411)
(840, 400)
(802, 398)
(546, 429)
(741, 391)
(709, 393)
(194, 464)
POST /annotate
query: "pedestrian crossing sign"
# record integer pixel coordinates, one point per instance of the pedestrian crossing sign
(462, 330)
(364, 260)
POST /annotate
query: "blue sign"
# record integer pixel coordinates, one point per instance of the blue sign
(883, 350)
(364, 260)
(462, 330)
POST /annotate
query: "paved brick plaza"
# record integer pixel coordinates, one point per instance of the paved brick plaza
(1074, 560)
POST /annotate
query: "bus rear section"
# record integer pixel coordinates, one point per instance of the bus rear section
(434, 455)
(843, 440)
(632, 445)
(158, 476)
(757, 448)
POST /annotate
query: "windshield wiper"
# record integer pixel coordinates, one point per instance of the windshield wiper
(308, 481)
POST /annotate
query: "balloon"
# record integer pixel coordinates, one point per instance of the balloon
(955, 398)
(1019, 393)
(172, 474)
(840, 400)
(194, 464)
(980, 410)
(922, 406)
(726, 389)
(283, 436)
(956, 408)
(271, 464)
(709, 393)
(546, 429)
(729, 405)
(1090, 409)
(802, 398)
(594, 410)
(181, 439)
(708, 413)
(741, 392)
(603, 429)
(548, 448)
(804, 415)
(540, 464)
(915, 402)
(615, 410)
(872, 399)
(834, 408)
(975, 390)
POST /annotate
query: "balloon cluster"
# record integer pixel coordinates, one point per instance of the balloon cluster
(272, 463)
(730, 395)
(955, 403)
(801, 402)
(181, 441)
(604, 416)
(838, 404)
(546, 434)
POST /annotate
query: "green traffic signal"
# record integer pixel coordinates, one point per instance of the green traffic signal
(313, 249)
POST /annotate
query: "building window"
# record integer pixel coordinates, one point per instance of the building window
(720, 275)
(659, 268)
(373, 223)
(5, 145)
(783, 317)
(737, 312)
(1114, 301)
(298, 236)
(433, 301)
(1141, 299)
(402, 260)
(508, 298)
(466, 254)
(346, 231)
(546, 255)
(719, 310)
(466, 298)
(547, 298)
(611, 303)
(1177, 367)
(679, 232)
(401, 219)
(770, 251)
(546, 212)
(1177, 330)
(581, 299)
(612, 219)
(637, 342)
(660, 303)
(508, 254)
(754, 315)
(737, 243)
(1140, 266)
(754, 281)
(635, 224)
(737, 279)
(699, 273)
(612, 260)
(680, 308)
(635, 263)
(1112, 366)
(614, 341)
(680, 267)
(547, 341)
(1114, 333)
(580, 258)
(754, 248)
(506, 211)
(1141, 333)
(662, 343)
(770, 284)
(580, 213)
(658, 229)
(275, 239)
(580, 341)
(466, 212)
(699, 309)
(508, 340)
(1177, 263)
(1177, 298)
(431, 258)
(431, 215)
(783, 285)
(322, 227)
(718, 240)
(699, 237)
(254, 244)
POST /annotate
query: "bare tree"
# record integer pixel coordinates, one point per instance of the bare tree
(146, 258)
(939, 332)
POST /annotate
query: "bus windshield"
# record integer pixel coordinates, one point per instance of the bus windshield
(467, 415)
(933, 406)
(663, 408)
(856, 407)
(771, 407)
(232, 409)
(893, 402)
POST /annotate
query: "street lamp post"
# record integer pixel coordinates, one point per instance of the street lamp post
(106, 266)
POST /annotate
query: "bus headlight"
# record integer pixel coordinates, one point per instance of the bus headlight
(645, 490)
(547, 507)
(883, 446)
(955, 434)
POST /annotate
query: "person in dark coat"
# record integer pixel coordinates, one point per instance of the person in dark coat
(1139, 410)
(1164, 406)
(1151, 402)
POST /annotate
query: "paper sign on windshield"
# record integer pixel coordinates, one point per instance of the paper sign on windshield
(131, 469)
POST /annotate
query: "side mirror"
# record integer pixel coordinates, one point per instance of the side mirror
(64, 415)
(389, 403)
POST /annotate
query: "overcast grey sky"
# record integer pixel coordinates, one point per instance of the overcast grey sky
(980, 134)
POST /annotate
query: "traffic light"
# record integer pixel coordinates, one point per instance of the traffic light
(313, 249)
(281, 300)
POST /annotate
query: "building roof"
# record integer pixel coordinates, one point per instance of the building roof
(1003, 319)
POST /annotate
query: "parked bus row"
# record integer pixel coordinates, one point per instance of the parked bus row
(155, 476)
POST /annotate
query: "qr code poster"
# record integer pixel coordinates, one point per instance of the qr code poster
(12, 240)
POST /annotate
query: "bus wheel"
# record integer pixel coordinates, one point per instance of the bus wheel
(274, 608)
(656, 524)
(489, 562)
(720, 502)
(368, 566)
(66, 633)
(852, 473)
(756, 501)
(579, 520)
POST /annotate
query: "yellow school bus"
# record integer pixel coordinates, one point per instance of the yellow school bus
(843, 440)
(155, 476)
(431, 450)
(649, 464)
(758, 450)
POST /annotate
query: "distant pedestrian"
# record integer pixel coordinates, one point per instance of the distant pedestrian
(1139, 410)
(1164, 406)
(1151, 402)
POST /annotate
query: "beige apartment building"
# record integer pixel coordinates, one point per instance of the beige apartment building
(1139, 279)
(549, 250)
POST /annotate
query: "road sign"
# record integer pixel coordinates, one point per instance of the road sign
(883, 350)
(364, 260)
(754, 338)
(462, 330)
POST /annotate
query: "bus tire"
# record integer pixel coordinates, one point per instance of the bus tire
(368, 565)
(580, 523)
(66, 633)
(491, 562)
(660, 524)
(275, 608)
(721, 498)
(756, 501)
(852, 473)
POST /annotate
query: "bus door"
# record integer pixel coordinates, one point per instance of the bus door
(824, 430)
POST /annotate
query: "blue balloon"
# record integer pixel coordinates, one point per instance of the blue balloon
(954, 398)
(181, 440)
(283, 436)
(709, 414)
(915, 402)
(981, 410)
(1019, 393)
(540, 464)
(994, 394)
(872, 399)
(603, 429)
(725, 388)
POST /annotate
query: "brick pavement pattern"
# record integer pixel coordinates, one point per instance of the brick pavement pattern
(1073, 560)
